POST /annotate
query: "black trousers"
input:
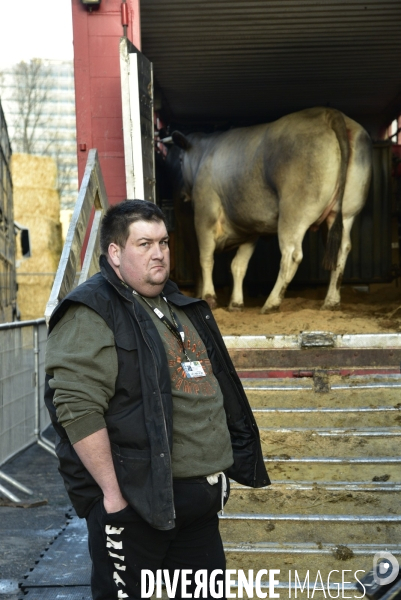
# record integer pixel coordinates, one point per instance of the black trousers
(122, 544)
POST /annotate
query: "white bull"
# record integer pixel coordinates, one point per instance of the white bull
(306, 169)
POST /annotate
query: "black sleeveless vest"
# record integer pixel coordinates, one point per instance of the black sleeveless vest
(139, 417)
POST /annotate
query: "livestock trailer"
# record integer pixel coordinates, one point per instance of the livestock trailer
(8, 284)
(10, 232)
(220, 64)
(327, 405)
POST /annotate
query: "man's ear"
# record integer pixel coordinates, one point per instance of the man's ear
(114, 253)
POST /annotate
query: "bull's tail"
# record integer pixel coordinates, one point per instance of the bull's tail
(333, 243)
(337, 122)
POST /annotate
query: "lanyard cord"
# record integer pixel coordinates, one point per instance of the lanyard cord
(175, 327)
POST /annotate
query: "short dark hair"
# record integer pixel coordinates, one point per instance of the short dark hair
(115, 224)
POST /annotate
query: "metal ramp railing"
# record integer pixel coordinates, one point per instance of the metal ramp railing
(92, 194)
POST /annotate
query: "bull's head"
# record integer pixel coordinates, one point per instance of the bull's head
(181, 140)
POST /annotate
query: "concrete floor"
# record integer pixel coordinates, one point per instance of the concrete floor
(26, 532)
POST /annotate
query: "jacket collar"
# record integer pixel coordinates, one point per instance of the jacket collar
(170, 289)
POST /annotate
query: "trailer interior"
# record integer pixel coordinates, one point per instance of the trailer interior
(225, 64)
(237, 62)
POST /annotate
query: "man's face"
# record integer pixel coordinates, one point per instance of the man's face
(144, 263)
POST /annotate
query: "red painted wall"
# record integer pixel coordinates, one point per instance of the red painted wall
(98, 89)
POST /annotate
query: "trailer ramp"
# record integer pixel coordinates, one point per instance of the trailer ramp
(91, 204)
(331, 441)
(329, 412)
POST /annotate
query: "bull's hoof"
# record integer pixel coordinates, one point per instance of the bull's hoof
(331, 306)
(235, 307)
(265, 310)
(211, 300)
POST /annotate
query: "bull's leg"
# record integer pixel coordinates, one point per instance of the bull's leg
(332, 300)
(207, 246)
(290, 241)
(239, 266)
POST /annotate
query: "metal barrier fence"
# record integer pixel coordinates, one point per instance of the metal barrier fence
(23, 415)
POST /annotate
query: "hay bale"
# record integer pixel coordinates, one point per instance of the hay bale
(37, 207)
(35, 201)
(65, 220)
(34, 172)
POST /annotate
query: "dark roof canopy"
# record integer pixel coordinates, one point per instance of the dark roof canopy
(255, 60)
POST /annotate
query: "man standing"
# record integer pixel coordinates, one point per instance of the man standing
(149, 411)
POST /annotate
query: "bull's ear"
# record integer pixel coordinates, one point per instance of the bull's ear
(180, 140)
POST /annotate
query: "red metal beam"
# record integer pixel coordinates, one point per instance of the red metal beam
(97, 86)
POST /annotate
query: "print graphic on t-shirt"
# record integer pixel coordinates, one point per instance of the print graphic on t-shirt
(196, 351)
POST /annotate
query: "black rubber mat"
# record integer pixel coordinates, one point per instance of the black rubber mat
(57, 593)
(65, 563)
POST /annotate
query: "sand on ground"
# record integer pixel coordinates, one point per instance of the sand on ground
(375, 311)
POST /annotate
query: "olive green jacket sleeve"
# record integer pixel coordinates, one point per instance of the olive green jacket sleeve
(81, 360)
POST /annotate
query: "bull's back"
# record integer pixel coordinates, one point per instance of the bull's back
(234, 167)
(306, 154)
(296, 158)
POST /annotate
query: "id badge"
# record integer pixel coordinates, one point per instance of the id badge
(193, 369)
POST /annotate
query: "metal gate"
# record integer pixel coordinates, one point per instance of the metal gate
(23, 415)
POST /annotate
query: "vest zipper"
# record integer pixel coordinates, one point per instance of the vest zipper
(161, 404)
